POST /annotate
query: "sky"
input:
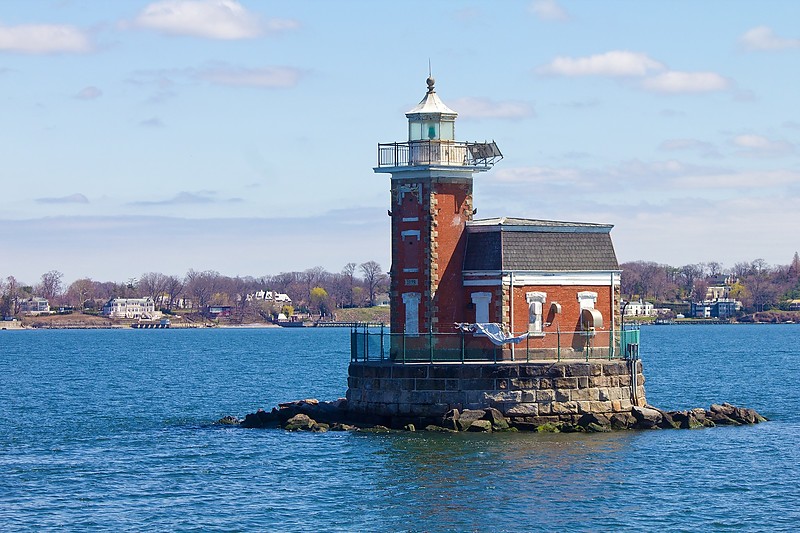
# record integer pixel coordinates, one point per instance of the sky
(241, 136)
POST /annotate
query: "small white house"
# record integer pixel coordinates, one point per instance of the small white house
(639, 308)
(34, 306)
(131, 308)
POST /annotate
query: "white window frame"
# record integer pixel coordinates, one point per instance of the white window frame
(536, 301)
(411, 301)
(481, 301)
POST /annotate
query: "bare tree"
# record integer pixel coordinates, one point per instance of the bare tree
(202, 286)
(173, 286)
(79, 291)
(311, 278)
(349, 272)
(283, 281)
(10, 297)
(51, 284)
(373, 277)
(153, 285)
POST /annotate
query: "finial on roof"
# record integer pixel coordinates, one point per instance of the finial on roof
(430, 82)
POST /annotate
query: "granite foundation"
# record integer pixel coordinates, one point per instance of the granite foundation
(524, 392)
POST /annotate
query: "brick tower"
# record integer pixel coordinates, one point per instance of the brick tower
(431, 203)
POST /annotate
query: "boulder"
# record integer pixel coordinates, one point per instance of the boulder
(300, 422)
(481, 426)
(646, 418)
(261, 419)
(597, 428)
(667, 422)
(434, 427)
(725, 409)
(496, 418)
(549, 427)
(228, 421)
(450, 420)
(586, 419)
(466, 419)
(622, 421)
(718, 418)
(409, 427)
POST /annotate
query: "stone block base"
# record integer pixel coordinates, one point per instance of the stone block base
(522, 391)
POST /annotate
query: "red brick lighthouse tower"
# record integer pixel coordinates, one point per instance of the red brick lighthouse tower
(431, 203)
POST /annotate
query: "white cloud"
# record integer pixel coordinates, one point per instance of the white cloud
(153, 122)
(758, 146)
(549, 10)
(763, 38)
(615, 63)
(219, 74)
(269, 77)
(43, 39)
(532, 175)
(686, 82)
(76, 198)
(89, 93)
(737, 181)
(705, 149)
(213, 19)
(486, 108)
(188, 198)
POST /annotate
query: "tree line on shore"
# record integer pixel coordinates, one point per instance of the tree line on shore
(314, 290)
(758, 285)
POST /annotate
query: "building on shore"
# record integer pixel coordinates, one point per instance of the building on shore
(34, 306)
(131, 308)
(531, 307)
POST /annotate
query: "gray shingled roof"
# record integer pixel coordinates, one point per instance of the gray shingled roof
(564, 247)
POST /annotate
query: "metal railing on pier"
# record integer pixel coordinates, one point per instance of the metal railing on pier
(381, 346)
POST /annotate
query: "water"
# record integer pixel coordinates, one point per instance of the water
(112, 429)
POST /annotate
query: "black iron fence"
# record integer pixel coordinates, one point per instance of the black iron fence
(380, 345)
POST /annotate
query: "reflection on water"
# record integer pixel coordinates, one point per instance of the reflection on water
(467, 480)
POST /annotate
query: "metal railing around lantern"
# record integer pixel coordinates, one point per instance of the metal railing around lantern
(445, 153)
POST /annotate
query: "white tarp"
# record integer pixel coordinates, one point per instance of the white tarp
(497, 333)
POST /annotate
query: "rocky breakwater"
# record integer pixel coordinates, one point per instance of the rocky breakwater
(315, 416)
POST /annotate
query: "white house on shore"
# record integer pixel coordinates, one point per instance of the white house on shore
(639, 308)
(131, 308)
(34, 306)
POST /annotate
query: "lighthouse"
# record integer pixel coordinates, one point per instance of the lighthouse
(515, 314)
(431, 205)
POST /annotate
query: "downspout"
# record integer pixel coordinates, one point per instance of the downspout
(614, 307)
(511, 310)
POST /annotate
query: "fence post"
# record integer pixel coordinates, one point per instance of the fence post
(366, 345)
(381, 342)
(430, 342)
(528, 349)
(558, 334)
(404, 346)
(462, 346)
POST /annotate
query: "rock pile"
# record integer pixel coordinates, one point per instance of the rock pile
(315, 416)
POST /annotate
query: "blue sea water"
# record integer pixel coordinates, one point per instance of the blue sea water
(113, 430)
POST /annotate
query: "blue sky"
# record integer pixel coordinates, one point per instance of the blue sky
(240, 136)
